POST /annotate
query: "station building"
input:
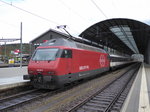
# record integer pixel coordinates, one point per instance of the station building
(50, 34)
(8, 51)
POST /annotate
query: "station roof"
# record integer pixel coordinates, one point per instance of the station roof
(125, 35)
(50, 30)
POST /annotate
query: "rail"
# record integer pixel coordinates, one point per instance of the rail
(105, 99)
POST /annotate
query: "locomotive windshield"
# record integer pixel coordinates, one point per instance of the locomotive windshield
(45, 54)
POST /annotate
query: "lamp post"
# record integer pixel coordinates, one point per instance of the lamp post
(21, 45)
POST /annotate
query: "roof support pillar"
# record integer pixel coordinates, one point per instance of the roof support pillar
(147, 53)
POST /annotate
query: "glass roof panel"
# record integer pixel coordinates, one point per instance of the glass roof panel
(116, 29)
(126, 28)
(128, 33)
(118, 33)
(124, 33)
(122, 36)
(130, 36)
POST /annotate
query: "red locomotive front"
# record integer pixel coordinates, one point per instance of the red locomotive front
(63, 61)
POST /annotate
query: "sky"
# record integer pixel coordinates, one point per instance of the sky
(38, 16)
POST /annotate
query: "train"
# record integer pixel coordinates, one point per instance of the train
(61, 61)
(118, 61)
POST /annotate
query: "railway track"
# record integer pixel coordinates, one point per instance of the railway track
(21, 98)
(111, 97)
(11, 102)
(52, 100)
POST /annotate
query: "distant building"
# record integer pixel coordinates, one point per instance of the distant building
(1, 49)
(50, 34)
(8, 51)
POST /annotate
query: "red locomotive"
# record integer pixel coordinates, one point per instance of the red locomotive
(61, 61)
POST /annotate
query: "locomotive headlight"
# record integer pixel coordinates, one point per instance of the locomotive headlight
(30, 71)
(51, 73)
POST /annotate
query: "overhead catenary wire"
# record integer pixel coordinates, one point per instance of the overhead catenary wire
(46, 19)
(7, 23)
(72, 10)
(36, 15)
(99, 8)
(75, 12)
(30, 12)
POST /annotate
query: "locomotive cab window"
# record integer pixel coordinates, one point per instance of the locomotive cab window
(66, 53)
(45, 54)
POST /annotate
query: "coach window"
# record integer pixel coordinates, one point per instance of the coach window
(67, 53)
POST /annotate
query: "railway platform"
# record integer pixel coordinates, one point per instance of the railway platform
(11, 77)
(138, 99)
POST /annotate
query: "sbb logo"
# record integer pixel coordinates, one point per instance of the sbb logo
(102, 60)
